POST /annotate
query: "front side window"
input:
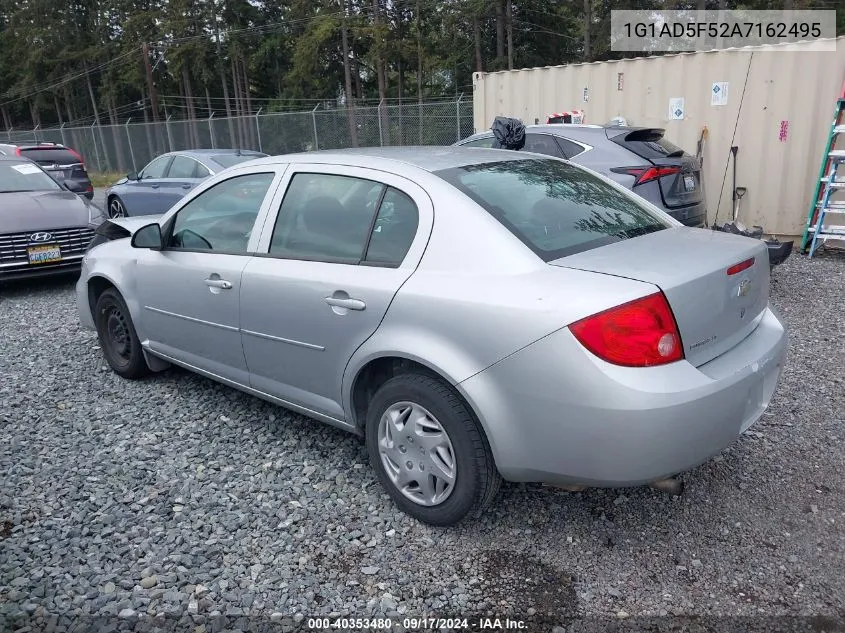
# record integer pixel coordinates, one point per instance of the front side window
(221, 218)
(555, 208)
(156, 168)
(326, 217)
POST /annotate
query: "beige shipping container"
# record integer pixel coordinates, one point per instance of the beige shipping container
(778, 111)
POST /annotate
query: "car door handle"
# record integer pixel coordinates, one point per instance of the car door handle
(349, 304)
(219, 283)
(155, 186)
(186, 186)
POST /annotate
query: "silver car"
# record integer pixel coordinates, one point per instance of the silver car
(473, 314)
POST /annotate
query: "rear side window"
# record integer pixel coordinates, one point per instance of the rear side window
(326, 217)
(542, 144)
(50, 156)
(183, 167)
(569, 148)
(394, 230)
(486, 141)
(555, 208)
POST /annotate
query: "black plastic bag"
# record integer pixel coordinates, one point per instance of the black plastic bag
(508, 133)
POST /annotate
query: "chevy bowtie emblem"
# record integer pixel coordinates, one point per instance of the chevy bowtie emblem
(744, 288)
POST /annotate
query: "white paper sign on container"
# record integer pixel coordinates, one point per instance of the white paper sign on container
(676, 108)
(719, 93)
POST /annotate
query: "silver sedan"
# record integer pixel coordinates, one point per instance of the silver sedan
(473, 314)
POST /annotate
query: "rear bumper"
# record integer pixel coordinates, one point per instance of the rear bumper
(694, 215)
(555, 413)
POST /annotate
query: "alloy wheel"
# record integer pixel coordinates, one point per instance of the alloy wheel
(116, 209)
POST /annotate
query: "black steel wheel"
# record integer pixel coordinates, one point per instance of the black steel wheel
(118, 339)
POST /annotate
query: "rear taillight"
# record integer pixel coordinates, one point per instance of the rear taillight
(738, 268)
(17, 151)
(642, 333)
(646, 173)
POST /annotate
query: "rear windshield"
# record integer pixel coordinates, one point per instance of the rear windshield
(17, 177)
(227, 160)
(555, 208)
(649, 144)
(50, 156)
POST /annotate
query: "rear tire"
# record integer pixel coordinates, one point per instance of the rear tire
(419, 431)
(117, 336)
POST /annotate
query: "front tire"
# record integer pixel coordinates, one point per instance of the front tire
(116, 208)
(117, 336)
(428, 450)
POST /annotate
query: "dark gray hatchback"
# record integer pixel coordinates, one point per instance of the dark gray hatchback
(640, 159)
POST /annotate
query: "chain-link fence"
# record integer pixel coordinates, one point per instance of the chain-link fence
(130, 146)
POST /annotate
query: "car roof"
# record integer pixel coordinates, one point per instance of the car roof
(560, 129)
(33, 144)
(211, 152)
(427, 157)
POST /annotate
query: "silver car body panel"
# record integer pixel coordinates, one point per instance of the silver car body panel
(473, 304)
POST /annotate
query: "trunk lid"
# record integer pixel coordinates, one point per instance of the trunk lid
(680, 189)
(714, 310)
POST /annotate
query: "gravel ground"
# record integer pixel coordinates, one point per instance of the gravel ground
(179, 500)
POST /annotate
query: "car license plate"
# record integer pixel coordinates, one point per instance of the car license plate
(44, 254)
(689, 183)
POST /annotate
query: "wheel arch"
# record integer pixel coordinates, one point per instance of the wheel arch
(96, 284)
(370, 374)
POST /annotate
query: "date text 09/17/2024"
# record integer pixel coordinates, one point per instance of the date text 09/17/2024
(411, 624)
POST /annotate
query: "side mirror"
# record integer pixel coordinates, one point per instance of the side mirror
(132, 175)
(148, 236)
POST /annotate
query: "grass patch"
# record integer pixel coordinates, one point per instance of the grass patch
(104, 179)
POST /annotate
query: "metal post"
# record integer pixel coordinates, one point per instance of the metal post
(380, 132)
(35, 132)
(62, 132)
(314, 123)
(211, 130)
(96, 149)
(458, 113)
(131, 151)
(258, 129)
(169, 136)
